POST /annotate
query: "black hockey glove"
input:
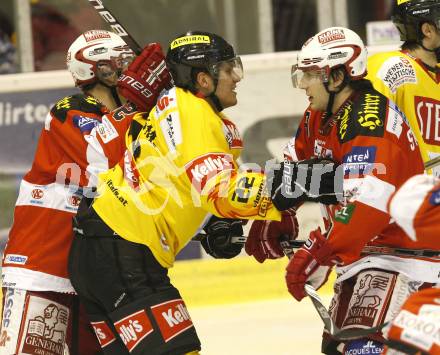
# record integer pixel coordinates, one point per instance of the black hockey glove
(316, 180)
(219, 233)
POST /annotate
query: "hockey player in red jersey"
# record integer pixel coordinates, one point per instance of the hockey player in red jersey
(80, 138)
(416, 328)
(351, 123)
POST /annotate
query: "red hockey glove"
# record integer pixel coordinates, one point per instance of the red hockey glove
(307, 265)
(145, 78)
(264, 240)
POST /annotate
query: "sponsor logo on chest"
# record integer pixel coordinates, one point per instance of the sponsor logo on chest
(203, 168)
(85, 124)
(320, 150)
(359, 160)
(397, 71)
(428, 116)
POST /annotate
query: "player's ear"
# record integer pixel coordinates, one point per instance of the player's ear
(204, 81)
(428, 29)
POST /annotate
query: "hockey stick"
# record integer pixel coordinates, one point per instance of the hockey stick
(234, 240)
(432, 163)
(330, 326)
(288, 246)
(115, 25)
(374, 250)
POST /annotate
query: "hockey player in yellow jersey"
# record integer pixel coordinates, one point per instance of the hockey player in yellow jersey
(411, 77)
(180, 168)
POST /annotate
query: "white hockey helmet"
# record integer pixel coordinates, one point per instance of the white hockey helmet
(331, 48)
(96, 47)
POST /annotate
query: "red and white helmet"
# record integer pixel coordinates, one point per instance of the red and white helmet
(96, 47)
(328, 49)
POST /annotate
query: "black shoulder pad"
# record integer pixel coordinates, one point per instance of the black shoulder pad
(364, 117)
(78, 102)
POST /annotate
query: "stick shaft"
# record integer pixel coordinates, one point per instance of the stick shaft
(115, 25)
(432, 163)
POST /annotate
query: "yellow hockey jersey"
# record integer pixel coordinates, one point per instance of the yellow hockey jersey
(416, 91)
(181, 169)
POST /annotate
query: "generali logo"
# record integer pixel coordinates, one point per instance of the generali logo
(103, 333)
(172, 318)
(46, 328)
(37, 194)
(201, 169)
(133, 328)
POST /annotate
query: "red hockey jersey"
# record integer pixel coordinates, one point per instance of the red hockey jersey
(415, 207)
(80, 139)
(378, 152)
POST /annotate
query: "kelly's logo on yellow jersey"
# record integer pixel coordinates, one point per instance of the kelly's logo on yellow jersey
(400, 2)
(181, 41)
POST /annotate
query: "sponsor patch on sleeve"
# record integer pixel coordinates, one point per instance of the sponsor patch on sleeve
(205, 167)
(232, 134)
(397, 71)
(167, 100)
(85, 124)
(171, 130)
(394, 120)
(106, 130)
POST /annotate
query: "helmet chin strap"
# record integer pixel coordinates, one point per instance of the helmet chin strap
(213, 97)
(114, 93)
(331, 99)
(436, 51)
